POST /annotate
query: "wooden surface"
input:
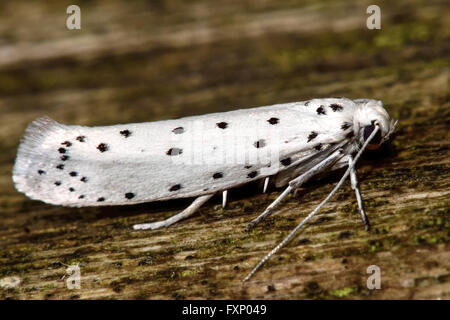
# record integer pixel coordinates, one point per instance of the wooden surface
(142, 61)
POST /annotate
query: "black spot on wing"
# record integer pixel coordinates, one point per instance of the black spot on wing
(60, 167)
(273, 120)
(321, 111)
(101, 199)
(218, 175)
(71, 189)
(252, 174)
(102, 147)
(312, 136)
(222, 125)
(350, 135)
(129, 195)
(64, 158)
(126, 133)
(346, 125)
(175, 187)
(318, 147)
(57, 183)
(81, 196)
(62, 150)
(174, 151)
(81, 138)
(336, 107)
(41, 172)
(66, 143)
(260, 143)
(84, 179)
(178, 130)
(73, 173)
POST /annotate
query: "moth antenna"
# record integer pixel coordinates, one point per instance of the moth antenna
(224, 198)
(308, 217)
(266, 183)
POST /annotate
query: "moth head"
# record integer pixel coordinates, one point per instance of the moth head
(370, 114)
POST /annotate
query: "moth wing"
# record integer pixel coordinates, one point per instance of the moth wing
(187, 157)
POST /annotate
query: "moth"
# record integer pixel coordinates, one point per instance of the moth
(199, 156)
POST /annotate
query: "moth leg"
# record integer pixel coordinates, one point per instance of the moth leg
(193, 207)
(295, 183)
(355, 186)
(266, 183)
(224, 198)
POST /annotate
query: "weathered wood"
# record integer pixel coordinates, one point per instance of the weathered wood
(141, 62)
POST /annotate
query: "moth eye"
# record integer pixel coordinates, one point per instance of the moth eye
(376, 140)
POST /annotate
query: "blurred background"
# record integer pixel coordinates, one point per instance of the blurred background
(137, 61)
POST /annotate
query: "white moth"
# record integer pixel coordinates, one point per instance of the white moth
(199, 156)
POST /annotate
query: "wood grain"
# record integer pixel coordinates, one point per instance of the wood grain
(140, 61)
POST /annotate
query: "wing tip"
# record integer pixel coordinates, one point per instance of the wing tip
(39, 129)
(30, 151)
